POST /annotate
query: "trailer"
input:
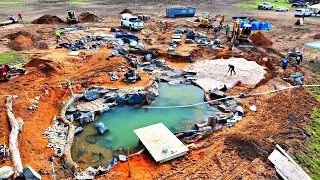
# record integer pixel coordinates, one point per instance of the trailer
(180, 12)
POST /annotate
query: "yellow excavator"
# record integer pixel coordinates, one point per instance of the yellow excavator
(206, 20)
(71, 17)
(239, 36)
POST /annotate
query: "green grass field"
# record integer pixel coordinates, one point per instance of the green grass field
(12, 58)
(11, 3)
(253, 4)
(80, 3)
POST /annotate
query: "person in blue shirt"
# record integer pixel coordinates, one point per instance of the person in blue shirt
(285, 63)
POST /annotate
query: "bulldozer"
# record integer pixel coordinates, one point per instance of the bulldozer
(206, 20)
(240, 36)
(71, 17)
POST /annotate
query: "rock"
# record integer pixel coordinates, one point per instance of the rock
(71, 108)
(6, 172)
(223, 108)
(103, 109)
(37, 98)
(110, 98)
(78, 130)
(176, 76)
(70, 117)
(121, 99)
(30, 174)
(100, 127)
(92, 95)
(239, 110)
(122, 158)
(253, 108)
(86, 117)
(135, 99)
(217, 94)
(159, 63)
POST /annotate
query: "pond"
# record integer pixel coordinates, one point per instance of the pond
(122, 120)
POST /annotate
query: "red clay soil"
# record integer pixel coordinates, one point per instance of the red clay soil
(48, 19)
(20, 43)
(89, 17)
(259, 39)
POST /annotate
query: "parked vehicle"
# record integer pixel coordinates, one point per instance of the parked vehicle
(131, 22)
(265, 5)
(299, 4)
(302, 12)
(282, 8)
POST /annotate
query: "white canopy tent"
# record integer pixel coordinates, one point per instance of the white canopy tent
(315, 8)
(315, 44)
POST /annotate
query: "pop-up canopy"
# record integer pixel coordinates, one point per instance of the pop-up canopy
(315, 44)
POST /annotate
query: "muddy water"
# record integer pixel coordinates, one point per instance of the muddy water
(122, 120)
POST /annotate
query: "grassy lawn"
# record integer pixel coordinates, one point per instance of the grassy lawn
(80, 3)
(11, 3)
(12, 58)
(253, 4)
(310, 160)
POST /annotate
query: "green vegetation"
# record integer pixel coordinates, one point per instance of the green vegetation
(310, 160)
(79, 3)
(12, 58)
(253, 4)
(11, 3)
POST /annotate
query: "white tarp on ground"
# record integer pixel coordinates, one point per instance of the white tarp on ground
(315, 8)
(211, 74)
(315, 44)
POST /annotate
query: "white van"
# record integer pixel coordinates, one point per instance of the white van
(301, 12)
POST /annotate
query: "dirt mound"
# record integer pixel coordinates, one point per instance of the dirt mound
(317, 36)
(259, 39)
(89, 17)
(42, 45)
(33, 36)
(47, 67)
(20, 43)
(126, 11)
(248, 146)
(48, 19)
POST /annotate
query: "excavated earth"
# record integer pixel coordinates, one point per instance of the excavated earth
(239, 152)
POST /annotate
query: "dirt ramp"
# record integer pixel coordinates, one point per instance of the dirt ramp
(48, 19)
(20, 43)
(259, 39)
(89, 17)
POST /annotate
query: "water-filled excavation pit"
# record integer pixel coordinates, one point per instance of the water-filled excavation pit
(122, 120)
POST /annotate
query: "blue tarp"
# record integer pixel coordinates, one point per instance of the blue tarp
(257, 25)
(315, 44)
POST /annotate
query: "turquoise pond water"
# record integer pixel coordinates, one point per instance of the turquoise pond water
(122, 120)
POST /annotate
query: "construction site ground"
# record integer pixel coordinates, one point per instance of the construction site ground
(239, 152)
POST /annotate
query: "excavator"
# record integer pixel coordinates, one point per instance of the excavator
(239, 36)
(71, 17)
(206, 20)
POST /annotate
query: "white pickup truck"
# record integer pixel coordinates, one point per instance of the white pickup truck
(131, 22)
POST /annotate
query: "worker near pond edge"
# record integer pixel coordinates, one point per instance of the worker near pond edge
(231, 69)
(11, 18)
(227, 29)
(20, 17)
(285, 63)
(166, 25)
(58, 34)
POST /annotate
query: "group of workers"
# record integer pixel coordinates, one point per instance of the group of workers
(217, 30)
(298, 58)
(19, 17)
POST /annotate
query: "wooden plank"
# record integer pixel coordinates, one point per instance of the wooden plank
(157, 136)
(286, 168)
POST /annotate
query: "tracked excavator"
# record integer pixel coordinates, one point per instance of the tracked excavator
(206, 20)
(239, 37)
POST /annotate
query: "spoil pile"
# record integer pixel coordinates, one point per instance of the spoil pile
(317, 36)
(33, 36)
(259, 39)
(126, 11)
(89, 17)
(20, 43)
(48, 19)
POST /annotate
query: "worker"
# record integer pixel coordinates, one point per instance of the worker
(285, 63)
(231, 69)
(167, 25)
(215, 31)
(227, 29)
(219, 29)
(20, 17)
(58, 34)
(298, 60)
(209, 27)
(11, 18)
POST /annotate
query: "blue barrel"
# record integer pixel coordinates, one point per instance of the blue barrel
(255, 26)
(180, 12)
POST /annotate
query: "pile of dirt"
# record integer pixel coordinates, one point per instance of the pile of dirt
(248, 146)
(89, 17)
(259, 39)
(20, 43)
(126, 11)
(48, 19)
(42, 45)
(47, 67)
(317, 36)
(33, 36)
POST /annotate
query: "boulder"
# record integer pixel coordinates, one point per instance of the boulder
(100, 127)
(71, 108)
(86, 117)
(92, 95)
(121, 99)
(6, 172)
(122, 158)
(135, 99)
(217, 94)
(29, 173)
(70, 117)
(110, 98)
(103, 109)
(159, 63)
(78, 130)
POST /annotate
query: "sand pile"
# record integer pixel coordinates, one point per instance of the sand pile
(259, 39)
(213, 73)
(89, 17)
(20, 43)
(48, 19)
